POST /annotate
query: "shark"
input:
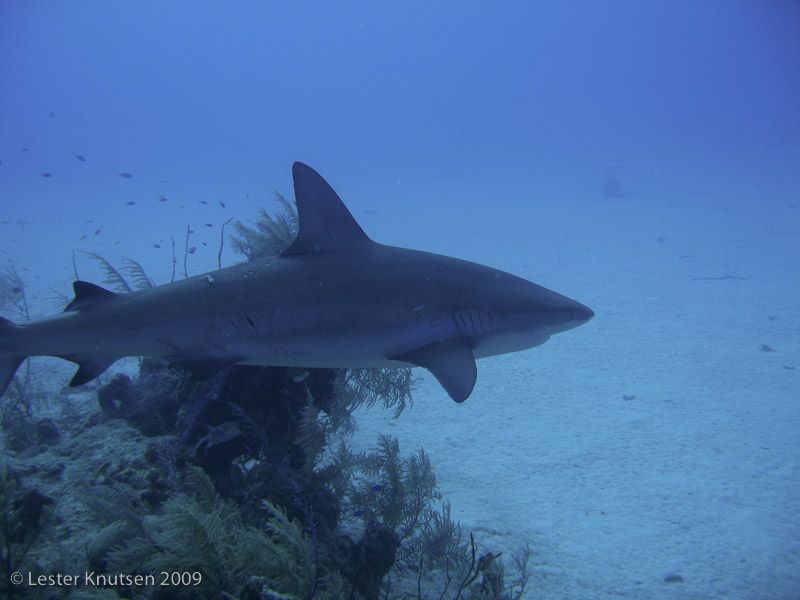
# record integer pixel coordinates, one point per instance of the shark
(333, 299)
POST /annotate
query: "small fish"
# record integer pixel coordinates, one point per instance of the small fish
(209, 225)
(162, 199)
(83, 237)
(192, 250)
(96, 232)
(24, 149)
(222, 204)
(190, 231)
(203, 202)
(156, 245)
(359, 513)
(125, 175)
(52, 114)
(300, 376)
(376, 488)
(131, 203)
(16, 290)
(224, 432)
(80, 157)
(46, 175)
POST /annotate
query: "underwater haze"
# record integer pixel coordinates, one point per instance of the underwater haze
(642, 158)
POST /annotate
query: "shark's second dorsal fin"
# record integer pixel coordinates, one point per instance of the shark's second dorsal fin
(325, 223)
(87, 295)
(88, 368)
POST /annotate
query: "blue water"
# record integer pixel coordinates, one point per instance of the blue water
(484, 130)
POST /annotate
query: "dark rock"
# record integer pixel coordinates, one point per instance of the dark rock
(30, 506)
(116, 393)
(371, 559)
(150, 403)
(153, 497)
(47, 432)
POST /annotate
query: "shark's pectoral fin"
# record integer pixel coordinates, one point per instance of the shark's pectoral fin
(203, 366)
(451, 362)
(88, 368)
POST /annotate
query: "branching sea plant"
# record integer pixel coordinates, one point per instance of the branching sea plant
(395, 491)
(407, 531)
(20, 405)
(270, 234)
(13, 300)
(128, 278)
(136, 274)
(384, 489)
(113, 277)
(365, 387)
(200, 532)
(26, 393)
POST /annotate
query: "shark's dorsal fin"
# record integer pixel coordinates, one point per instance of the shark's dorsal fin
(451, 362)
(325, 223)
(87, 295)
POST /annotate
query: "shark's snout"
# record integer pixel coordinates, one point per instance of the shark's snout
(581, 314)
(572, 315)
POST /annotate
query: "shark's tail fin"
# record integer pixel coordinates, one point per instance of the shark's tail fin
(8, 363)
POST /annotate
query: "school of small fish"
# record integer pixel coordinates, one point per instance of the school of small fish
(123, 175)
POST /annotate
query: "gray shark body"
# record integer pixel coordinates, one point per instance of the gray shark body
(333, 299)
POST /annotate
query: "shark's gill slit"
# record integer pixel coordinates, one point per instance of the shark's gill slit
(469, 323)
(485, 322)
(461, 326)
(474, 323)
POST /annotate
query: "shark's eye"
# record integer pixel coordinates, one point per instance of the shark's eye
(571, 315)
